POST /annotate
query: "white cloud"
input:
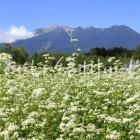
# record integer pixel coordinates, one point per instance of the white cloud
(14, 33)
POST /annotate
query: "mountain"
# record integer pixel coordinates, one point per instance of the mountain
(67, 39)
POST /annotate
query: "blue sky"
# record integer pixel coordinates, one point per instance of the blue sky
(40, 13)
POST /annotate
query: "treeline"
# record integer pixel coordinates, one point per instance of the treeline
(20, 56)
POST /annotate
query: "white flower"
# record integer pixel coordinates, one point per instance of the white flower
(78, 130)
(132, 99)
(137, 131)
(51, 105)
(38, 92)
(110, 59)
(5, 57)
(6, 134)
(91, 127)
(114, 135)
(59, 139)
(70, 59)
(12, 127)
(28, 121)
(126, 120)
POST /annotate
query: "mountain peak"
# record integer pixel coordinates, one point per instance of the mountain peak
(53, 28)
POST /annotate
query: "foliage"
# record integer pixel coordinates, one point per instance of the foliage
(136, 53)
(123, 54)
(19, 54)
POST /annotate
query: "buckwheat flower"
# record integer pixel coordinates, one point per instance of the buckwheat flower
(78, 130)
(10, 82)
(51, 105)
(90, 136)
(70, 59)
(33, 114)
(138, 123)
(11, 91)
(126, 120)
(112, 119)
(46, 55)
(75, 54)
(15, 135)
(5, 134)
(38, 92)
(28, 121)
(91, 127)
(132, 99)
(132, 137)
(62, 126)
(71, 124)
(66, 97)
(5, 57)
(41, 124)
(73, 109)
(59, 139)
(71, 64)
(114, 135)
(110, 59)
(12, 127)
(65, 118)
(137, 131)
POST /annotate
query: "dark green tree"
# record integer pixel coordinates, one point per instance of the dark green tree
(136, 53)
(19, 54)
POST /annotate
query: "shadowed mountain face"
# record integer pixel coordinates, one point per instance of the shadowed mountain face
(66, 39)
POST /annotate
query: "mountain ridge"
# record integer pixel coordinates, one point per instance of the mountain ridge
(60, 38)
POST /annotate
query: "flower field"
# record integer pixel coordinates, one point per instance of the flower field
(67, 103)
